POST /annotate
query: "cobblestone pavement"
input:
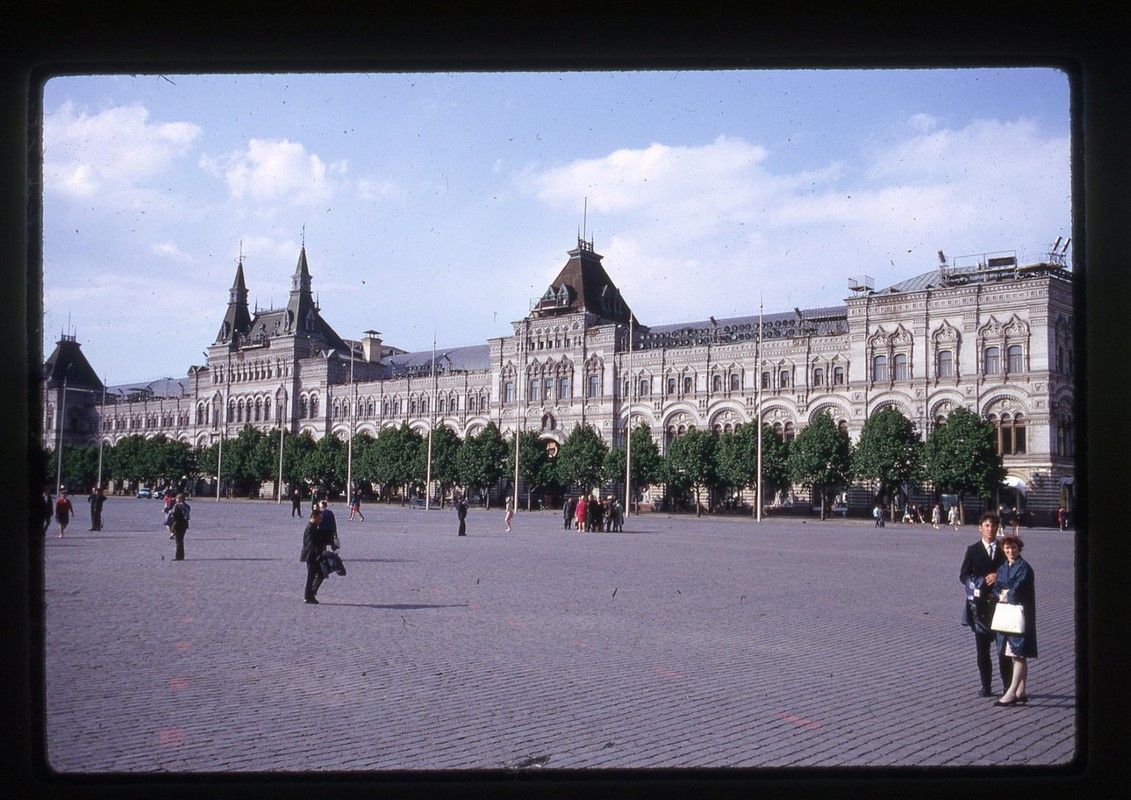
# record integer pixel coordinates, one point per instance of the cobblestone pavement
(681, 643)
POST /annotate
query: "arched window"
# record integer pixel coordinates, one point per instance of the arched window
(765, 380)
(594, 386)
(818, 377)
(783, 378)
(314, 405)
(991, 361)
(305, 412)
(788, 433)
(735, 382)
(231, 411)
(258, 409)
(880, 369)
(645, 387)
(717, 383)
(1010, 434)
(688, 385)
(944, 364)
(1013, 360)
(267, 408)
(838, 376)
(671, 386)
(441, 405)
(899, 367)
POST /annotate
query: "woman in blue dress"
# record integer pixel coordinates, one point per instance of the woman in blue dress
(1015, 584)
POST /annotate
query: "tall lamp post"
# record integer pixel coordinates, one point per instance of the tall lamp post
(101, 438)
(349, 441)
(758, 404)
(62, 422)
(279, 413)
(224, 425)
(628, 443)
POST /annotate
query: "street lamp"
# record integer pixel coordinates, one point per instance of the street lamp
(62, 421)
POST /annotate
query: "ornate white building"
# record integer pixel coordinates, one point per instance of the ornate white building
(992, 336)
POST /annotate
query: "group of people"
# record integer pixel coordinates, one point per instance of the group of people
(60, 510)
(319, 538)
(913, 515)
(1010, 518)
(993, 572)
(593, 514)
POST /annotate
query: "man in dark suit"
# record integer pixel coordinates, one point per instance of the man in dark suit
(978, 573)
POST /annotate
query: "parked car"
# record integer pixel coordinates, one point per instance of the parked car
(145, 492)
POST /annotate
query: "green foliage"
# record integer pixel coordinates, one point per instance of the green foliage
(961, 456)
(392, 458)
(80, 465)
(297, 451)
(820, 459)
(325, 464)
(535, 467)
(889, 451)
(737, 458)
(445, 458)
(581, 459)
(482, 458)
(690, 463)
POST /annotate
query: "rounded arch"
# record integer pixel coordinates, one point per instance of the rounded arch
(680, 413)
(1007, 402)
(727, 413)
(837, 410)
(900, 404)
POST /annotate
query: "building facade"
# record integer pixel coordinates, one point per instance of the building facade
(991, 336)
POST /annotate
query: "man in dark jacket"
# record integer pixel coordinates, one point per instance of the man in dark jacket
(179, 522)
(315, 540)
(461, 512)
(978, 573)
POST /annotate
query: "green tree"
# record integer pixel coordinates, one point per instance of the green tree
(297, 452)
(961, 457)
(80, 465)
(535, 467)
(445, 459)
(737, 460)
(245, 461)
(889, 453)
(820, 459)
(647, 463)
(325, 464)
(690, 463)
(132, 459)
(392, 460)
(581, 459)
(482, 458)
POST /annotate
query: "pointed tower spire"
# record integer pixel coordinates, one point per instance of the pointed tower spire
(237, 319)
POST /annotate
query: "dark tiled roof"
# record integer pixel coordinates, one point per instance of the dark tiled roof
(473, 358)
(68, 362)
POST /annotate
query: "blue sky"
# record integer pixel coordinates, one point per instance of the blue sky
(441, 204)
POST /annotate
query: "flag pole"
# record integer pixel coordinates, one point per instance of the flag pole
(758, 433)
(431, 425)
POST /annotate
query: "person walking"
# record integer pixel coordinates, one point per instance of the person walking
(1061, 518)
(508, 515)
(1015, 519)
(461, 514)
(179, 521)
(978, 574)
(878, 515)
(936, 515)
(97, 499)
(593, 512)
(567, 512)
(170, 501)
(329, 523)
(296, 504)
(47, 508)
(63, 511)
(1015, 584)
(581, 512)
(618, 517)
(952, 517)
(315, 540)
(355, 507)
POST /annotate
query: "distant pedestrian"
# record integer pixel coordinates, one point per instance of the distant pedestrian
(567, 511)
(97, 499)
(618, 517)
(179, 520)
(508, 515)
(581, 512)
(1015, 520)
(461, 514)
(329, 523)
(593, 514)
(1062, 518)
(607, 509)
(170, 501)
(952, 517)
(936, 515)
(878, 515)
(296, 504)
(315, 540)
(355, 507)
(63, 511)
(47, 508)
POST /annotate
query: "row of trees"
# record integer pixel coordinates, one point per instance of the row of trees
(957, 458)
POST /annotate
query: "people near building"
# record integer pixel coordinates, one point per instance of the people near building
(581, 512)
(567, 512)
(97, 499)
(1015, 520)
(296, 503)
(355, 507)
(461, 515)
(936, 515)
(1062, 518)
(63, 511)
(47, 508)
(179, 521)
(1015, 584)
(593, 514)
(979, 574)
(315, 540)
(878, 515)
(508, 514)
(618, 516)
(952, 516)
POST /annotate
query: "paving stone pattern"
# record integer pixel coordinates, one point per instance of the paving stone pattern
(681, 643)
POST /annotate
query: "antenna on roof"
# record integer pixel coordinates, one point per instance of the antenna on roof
(585, 218)
(942, 258)
(304, 236)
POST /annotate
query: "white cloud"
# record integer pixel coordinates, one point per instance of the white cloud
(170, 250)
(276, 171)
(110, 154)
(370, 189)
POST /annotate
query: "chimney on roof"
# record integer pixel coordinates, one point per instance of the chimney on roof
(371, 346)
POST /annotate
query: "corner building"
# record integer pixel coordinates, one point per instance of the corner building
(992, 336)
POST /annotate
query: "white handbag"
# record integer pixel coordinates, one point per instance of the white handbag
(1008, 618)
